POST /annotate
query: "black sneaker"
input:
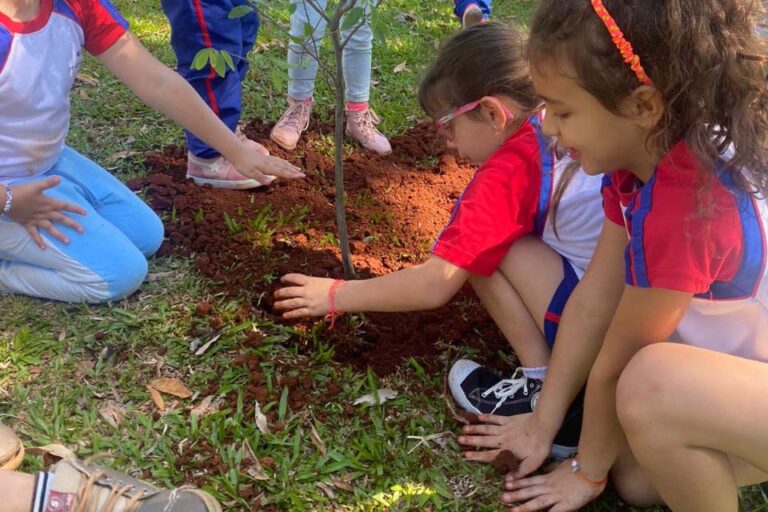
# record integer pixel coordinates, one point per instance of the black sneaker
(478, 390)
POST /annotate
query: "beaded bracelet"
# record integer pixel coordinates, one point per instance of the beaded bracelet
(8, 200)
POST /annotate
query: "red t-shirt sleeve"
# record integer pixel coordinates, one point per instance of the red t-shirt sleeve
(101, 22)
(678, 243)
(497, 207)
(611, 201)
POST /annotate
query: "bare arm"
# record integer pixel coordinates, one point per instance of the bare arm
(425, 286)
(644, 316)
(167, 92)
(582, 329)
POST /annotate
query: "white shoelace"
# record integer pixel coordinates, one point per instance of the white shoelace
(508, 387)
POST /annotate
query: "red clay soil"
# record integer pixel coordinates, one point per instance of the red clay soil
(396, 207)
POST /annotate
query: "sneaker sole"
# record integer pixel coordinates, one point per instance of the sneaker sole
(236, 185)
(282, 144)
(348, 135)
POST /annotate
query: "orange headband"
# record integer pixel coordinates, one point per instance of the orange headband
(624, 46)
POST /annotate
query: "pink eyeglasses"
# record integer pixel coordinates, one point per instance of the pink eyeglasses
(441, 125)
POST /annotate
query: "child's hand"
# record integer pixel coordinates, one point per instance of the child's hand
(520, 434)
(255, 162)
(35, 211)
(303, 296)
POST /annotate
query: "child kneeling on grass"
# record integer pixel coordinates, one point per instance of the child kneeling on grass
(72, 485)
(501, 235)
(671, 96)
(102, 256)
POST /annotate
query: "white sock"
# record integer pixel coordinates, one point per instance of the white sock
(538, 372)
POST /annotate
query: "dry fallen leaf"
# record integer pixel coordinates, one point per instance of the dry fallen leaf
(112, 412)
(400, 68)
(327, 490)
(255, 470)
(57, 450)
(209, 405)
(261, 420)
(120, 155)
(370, 399)
(156, 397)
(316, 440)
(171, 386)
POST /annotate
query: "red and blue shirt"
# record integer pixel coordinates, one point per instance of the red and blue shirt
(693, 231)
(510, 196)
(39, 60)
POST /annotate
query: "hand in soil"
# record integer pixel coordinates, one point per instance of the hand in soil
(35, 210)
(522, 435)
(303, 296)
(260, 166)
(560, 490)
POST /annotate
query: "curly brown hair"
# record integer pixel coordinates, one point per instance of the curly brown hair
(704, 57)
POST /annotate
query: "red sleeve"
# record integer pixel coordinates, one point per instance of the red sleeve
(676, 241)
(612, 201)
(497, 207)
(101, 22)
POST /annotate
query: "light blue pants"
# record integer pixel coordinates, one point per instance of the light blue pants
(108, 261)
(303, 71)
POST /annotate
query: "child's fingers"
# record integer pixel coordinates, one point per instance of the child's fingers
(69, 207)
(289, 292)
(495, 419)
(282, 169)
(480, 441)
(480, 429)
(298, 279)
(481, 456)
(67, 221)
(54, 231)
(47, 183)
(35, 234)
(298, 313)
(289, 304)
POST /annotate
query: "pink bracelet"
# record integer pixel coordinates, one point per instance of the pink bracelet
(333, 313)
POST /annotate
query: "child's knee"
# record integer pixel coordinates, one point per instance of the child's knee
(643, 385)
(152, 235)
(127, 278)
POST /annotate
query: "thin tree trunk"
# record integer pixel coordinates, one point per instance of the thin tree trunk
(341, 217)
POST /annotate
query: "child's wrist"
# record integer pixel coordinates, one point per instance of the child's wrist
(594, 478)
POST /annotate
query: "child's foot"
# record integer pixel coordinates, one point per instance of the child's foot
(292, 124)
(472, 16)
(11, 449)
(76, 485)
(361, 126)
(478, 390)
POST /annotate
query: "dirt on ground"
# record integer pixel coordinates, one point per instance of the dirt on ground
(243, 241)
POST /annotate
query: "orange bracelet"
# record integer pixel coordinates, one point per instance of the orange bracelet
(576, 468)
(333, 313)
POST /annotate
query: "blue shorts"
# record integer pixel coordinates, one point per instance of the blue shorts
(559, 299)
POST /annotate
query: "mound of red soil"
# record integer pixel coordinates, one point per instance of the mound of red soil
(243, 241)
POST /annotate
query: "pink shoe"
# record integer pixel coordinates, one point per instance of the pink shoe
(472, 16)
(292, 124)
(220, 173)
(361, 126)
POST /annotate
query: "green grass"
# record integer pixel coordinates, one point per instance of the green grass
(61, 364)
